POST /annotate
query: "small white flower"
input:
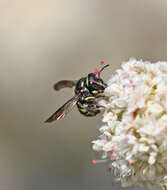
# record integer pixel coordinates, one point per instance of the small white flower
(134, 134)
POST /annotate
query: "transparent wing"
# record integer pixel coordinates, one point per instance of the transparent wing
(63, 110)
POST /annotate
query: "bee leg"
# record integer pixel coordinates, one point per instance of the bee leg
(94, 109)
(95, 106)
(101, 96)
(98, 106)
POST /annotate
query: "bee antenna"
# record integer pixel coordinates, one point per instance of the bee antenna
(103, 68)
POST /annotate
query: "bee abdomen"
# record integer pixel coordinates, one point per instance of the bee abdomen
(86, 108)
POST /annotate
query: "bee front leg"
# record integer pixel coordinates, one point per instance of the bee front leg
(101, 96)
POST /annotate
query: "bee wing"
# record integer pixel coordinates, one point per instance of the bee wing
(63, 110)
(64, 83)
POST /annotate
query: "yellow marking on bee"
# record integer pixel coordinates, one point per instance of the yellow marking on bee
(87, 82)
(82, 84)
(84, 89)
(82, 106)
(90, 113)
(89, 98)
(94, 91)
(79, 103)
(83, 110)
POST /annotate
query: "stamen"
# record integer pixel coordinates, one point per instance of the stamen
(96, 73)
(94, 161)
(133, 86)
(127, 138)
(130, 161)
(131, 81)
(113, 183)
(101, 62)
(98, 161)
(114, 149)
(119, 164)
(109, 169)
(111, 156)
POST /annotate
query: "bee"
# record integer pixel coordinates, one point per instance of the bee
(87, 90)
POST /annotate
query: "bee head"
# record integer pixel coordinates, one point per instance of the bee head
(95, 83)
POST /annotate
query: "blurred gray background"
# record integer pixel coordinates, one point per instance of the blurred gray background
(43, 41)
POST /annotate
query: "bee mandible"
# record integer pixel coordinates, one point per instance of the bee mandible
(87, 90)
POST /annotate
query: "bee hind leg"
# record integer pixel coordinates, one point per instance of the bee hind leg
(95, 107)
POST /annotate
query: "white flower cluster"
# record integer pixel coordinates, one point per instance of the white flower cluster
(134, 134)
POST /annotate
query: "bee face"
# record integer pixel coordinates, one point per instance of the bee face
(95, 84)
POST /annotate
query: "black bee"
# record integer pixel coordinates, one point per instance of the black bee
(87, 90)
